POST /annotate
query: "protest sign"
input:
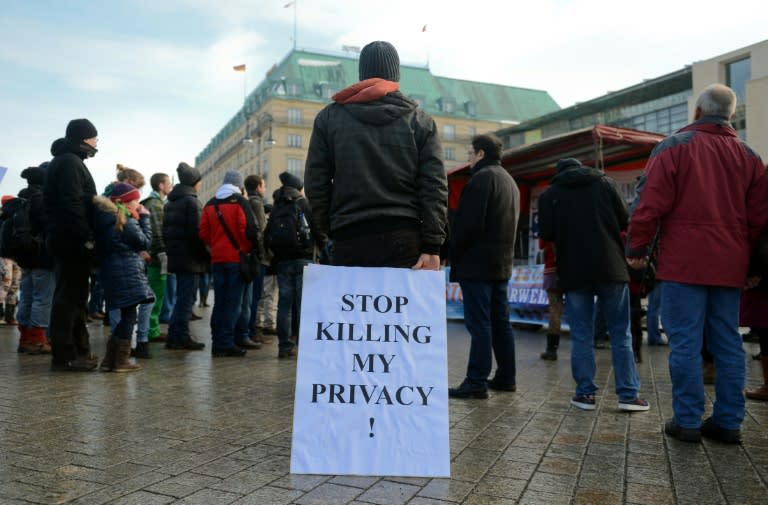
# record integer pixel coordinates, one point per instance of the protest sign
(372, 380)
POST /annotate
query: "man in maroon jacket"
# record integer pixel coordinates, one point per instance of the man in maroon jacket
(707, 191)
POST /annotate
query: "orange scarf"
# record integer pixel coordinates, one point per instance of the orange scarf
(366, 91)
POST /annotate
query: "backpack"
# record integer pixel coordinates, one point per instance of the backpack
(287, 233)
(16, 240)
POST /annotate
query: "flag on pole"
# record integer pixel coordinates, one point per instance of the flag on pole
(424, 29)
(239, 68)
(288, 5)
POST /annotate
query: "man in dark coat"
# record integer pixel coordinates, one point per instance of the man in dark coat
(583, 213)
(374, 172)
(187, 254)
(68, 196)
(482, 252)
(255, 187)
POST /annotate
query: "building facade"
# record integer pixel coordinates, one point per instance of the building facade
(271, 132)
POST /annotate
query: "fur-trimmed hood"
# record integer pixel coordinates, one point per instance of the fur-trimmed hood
(104, 204)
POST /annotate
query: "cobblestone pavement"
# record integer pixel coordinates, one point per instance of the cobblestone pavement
(196, 430)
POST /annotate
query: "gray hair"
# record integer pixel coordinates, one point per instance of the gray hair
(717, 100)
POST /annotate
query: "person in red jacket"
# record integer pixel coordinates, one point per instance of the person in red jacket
(708, 193)
(554, 297)
(226, 215)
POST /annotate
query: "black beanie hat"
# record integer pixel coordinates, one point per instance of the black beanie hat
(380, 59)
(188, 175)
(34, 175)
(80, 129)
(288, 179)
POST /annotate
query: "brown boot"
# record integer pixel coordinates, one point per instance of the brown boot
(123, 363)
(38, 342)
(760, 393)
(108, 363)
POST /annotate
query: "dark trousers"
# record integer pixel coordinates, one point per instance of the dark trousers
(399, 248)
(257, 288)
(67, 329)
(486, 315)
(123, 330)
(178, 327)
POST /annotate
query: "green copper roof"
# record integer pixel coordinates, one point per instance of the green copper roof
(315, 77)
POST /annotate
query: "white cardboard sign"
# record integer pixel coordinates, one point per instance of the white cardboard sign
(372, 379)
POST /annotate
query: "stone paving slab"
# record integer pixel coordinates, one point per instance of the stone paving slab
(191, 429)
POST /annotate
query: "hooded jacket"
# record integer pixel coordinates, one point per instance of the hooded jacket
(583, 213)
(240, 222)
(68, 198)
(484, 226)
(37, 222)
(708, 193)
(181, 221)
(122, 271)
(375, 164)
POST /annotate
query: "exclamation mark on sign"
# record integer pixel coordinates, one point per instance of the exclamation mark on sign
(370, 421)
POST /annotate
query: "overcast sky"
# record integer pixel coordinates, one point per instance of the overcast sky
(156, 78)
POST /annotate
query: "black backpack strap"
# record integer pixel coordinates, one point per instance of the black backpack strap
(224, 226)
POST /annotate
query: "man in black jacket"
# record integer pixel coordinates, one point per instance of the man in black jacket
(374, 172)
(583, 213)
(187, 254)
(482, 252)
(68, 197)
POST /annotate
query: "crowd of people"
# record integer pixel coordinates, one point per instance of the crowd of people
(377, 196)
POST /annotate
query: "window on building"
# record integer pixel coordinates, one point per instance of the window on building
(295, 167)
(472, 131)
(294, 116)
(449, 153)
(294, 89)
(737, 74)
(449, 132)
(470, 108)
(449, 105)
(294, 140)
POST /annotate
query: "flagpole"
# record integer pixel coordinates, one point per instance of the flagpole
(293, 4)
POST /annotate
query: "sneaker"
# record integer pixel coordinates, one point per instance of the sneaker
(712, 431)
(468, 390)
(672, 429)
(584, 402)
(636, 405)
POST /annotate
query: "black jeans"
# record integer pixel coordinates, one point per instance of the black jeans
(67, 329)
(398, 248)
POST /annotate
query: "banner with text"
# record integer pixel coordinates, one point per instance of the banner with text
(372, 378)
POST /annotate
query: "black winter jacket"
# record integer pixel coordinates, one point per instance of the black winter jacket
(373, 162)
(583, 213)
(37, 221)
(485, 225)
(186, 252)
(68, 198)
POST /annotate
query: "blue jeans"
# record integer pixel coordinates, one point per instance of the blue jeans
(256, 290)
(652, 317)
(204, 286)
(178, 327)
(123, 329)
(290, 276)
(170, 298)
(229, 288)
(688, 312)
(35, 298)
(580, 306)
(486, 315)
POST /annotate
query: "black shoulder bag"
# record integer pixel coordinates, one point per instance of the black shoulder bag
(250, 265)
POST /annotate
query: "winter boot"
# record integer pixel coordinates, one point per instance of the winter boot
(553, 341)
(10, 314)
(141, 351)
(123, 352)
(110, 357)
(23, 339)
(760, 393)
(38, 343)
